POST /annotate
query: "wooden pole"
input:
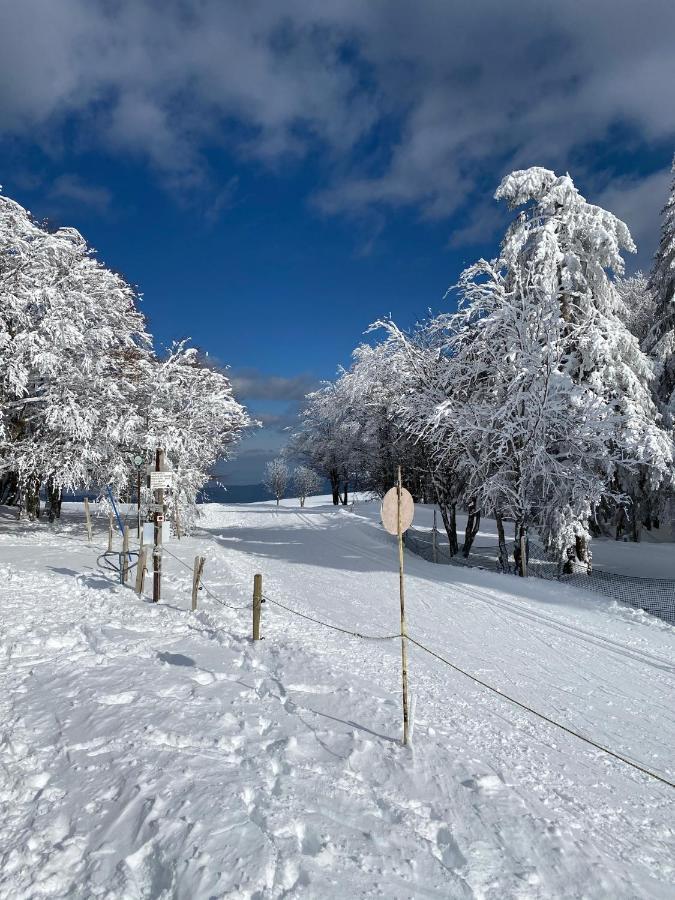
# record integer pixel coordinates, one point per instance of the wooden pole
(140, 571)
(159, 521)
(110, 532)
(257, 605)
(87, 518)
(196, 578)
(125, 555)
(176, 518)
(404, 632)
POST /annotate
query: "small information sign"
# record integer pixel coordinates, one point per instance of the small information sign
(161, 481)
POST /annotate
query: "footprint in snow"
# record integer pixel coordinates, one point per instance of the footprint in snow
(120, 699)
(484, 784)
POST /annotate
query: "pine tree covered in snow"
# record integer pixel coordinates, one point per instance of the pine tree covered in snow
(660, 342)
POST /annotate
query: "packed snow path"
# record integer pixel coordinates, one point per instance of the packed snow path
(147, 751)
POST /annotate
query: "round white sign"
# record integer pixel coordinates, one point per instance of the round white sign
(390, 510)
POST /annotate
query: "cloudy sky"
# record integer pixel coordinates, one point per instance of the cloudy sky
(274, 176)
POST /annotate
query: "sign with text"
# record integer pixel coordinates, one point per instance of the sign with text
(161, 481)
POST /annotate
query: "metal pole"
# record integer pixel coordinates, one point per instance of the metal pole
(159, 522)
(404, 633)
(138, 496)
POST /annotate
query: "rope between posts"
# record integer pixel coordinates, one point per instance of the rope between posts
(433, 653)
(206, 588)
(545, 718)
(357, 634)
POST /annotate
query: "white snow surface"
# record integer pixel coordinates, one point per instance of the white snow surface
(150, 752)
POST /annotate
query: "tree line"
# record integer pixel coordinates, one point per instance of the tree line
(547, 399)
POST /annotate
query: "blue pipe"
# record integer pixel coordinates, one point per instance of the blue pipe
(112, 500)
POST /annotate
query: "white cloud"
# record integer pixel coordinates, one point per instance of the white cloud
(453, 91)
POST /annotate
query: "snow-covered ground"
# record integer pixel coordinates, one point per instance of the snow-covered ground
(147, 751)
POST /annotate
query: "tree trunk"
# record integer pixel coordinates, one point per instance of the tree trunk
(620, 522)
(635, 523)
(54, 495)
(335, 486)
(345, 491)
(33, 497)
(448, 514)
(503, 551)
(582, 551)
(472, 526)
(302, 502)
(9, 490)
(520, 560)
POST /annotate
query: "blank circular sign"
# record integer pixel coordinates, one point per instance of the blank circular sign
(390, 510)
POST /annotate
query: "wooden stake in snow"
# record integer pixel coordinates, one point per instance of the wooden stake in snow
(257, 605)
(87, 516)
(196, 578)
(140, 570)
(397, 514)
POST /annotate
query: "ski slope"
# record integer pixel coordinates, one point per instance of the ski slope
(152, 752)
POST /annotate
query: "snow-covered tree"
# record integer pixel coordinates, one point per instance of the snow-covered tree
(276, 478)
(72, 345)
(660, 342)
(306, 482)
(80, 387)
(638, 304)
(190, 412)
(537, 398)
(328, 438)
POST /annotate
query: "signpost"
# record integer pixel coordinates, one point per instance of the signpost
(158, 516)
(398, 510)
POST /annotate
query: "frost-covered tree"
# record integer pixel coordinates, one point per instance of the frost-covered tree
(537, 397)
(566, 247)
(638, 304)
(660, 342)
(276, 478)
(328, 438)
(80, 387)
(72, 344)
(306, 482)
(189, 412)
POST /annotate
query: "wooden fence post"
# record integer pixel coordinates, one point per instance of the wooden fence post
(87, 516)
(257, 605)
(196, 578)
(140, 571)
(125, 555)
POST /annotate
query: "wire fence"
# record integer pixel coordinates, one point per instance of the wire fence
(653, 595)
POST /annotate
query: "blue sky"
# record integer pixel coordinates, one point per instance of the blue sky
(273, 177)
